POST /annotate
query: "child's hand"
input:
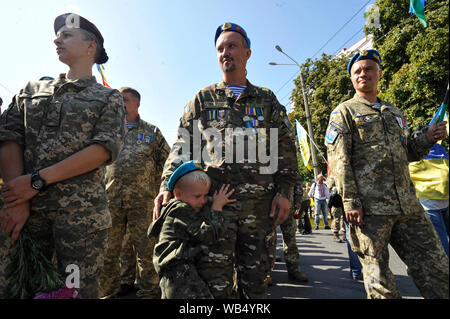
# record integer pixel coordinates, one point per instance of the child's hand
(221, 198)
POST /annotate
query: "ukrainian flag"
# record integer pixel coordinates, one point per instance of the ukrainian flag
(430, 175)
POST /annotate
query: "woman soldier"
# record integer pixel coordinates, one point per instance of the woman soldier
(55, 139)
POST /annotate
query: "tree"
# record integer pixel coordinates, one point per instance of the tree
(415, 69)
(327, 84)
(415, 59)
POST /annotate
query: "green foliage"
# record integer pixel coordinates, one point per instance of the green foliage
(30, 272)
(415, 59)
(327, 84)
(415, 70)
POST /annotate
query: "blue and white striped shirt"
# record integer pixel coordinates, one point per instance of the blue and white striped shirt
(130, 125)
(237, 89)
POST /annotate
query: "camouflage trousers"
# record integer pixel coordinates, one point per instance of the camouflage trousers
(239, 261)
(127, 260)
(290, 249)
(78, 237)
(414, 240)
(137, 220)
(338, 219)
(182, 281)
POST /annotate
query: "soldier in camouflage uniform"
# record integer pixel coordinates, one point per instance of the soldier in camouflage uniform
(261, 192)
(288, 231)
(369, 148)
(128, 267)
(65, 130)
(132, 183)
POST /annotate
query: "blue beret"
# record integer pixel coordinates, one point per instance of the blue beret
(46, 77)
(228, 26)
(183, 169)
(364, 55)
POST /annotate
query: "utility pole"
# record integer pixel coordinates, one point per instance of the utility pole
(308, 116)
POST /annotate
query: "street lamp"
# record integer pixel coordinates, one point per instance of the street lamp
(308, 114)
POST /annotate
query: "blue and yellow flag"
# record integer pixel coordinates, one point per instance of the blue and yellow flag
(304, 147)
(430, 175)
(101, 70)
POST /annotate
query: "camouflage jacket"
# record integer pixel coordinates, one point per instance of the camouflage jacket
(182, 232)
(51, 120)
(369, 151)
(133, 179)
(222, 132)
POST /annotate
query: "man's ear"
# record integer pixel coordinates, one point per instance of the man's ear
(249, 53)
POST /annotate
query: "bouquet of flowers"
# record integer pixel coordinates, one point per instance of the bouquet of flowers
(32, 275)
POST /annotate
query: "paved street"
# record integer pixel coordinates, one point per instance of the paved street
(326, 264)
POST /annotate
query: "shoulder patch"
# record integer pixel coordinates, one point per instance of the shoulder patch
(338, 127)
(331, 136)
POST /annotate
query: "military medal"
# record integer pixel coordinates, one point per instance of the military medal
(403, 128)
(367, 118)
(259, 113)
(246, 118)
(221, 117)
(210, 116)
(140, 136)
(401, 122)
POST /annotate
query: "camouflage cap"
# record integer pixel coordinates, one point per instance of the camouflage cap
(364, 55)
(228, 26)
(182, 170)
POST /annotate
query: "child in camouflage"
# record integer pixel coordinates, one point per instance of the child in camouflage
(186, 224)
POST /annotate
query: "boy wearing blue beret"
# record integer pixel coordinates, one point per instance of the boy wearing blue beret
(187, 224)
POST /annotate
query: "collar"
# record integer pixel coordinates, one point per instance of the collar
(82, 83)
(138, 123)
(362, 100)
(250, 90)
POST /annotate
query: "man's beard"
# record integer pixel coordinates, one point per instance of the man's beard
(229, 68)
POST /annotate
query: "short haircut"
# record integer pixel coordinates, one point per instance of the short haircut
(197, 176)
(131, 91)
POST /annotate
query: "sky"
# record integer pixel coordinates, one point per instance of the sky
(165, 49)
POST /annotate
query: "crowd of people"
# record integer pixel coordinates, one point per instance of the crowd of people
(100, 184)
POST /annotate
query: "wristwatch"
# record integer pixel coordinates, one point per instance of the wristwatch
(37, 182)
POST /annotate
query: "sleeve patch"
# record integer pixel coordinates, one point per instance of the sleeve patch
(337, 127)
(331, 136)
